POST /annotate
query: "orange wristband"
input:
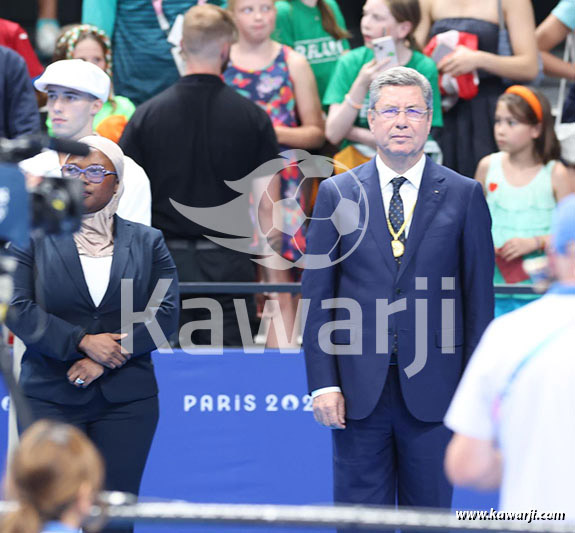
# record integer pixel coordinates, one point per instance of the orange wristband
(352, 103)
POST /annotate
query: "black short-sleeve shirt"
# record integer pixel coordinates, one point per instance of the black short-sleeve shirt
(190, 139)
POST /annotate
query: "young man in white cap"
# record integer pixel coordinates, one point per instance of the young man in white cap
(513, 411)
(76, 92)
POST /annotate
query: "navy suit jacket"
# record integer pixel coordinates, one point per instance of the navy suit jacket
(52, 310)
(449, 237)
(18, 108)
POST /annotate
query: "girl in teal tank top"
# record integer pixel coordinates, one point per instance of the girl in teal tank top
(522, 184)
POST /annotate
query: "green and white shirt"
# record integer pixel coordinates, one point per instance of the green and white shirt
(300, 27)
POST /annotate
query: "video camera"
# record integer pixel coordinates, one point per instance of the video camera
(54, 206)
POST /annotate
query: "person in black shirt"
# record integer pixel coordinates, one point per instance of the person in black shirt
(191, 139)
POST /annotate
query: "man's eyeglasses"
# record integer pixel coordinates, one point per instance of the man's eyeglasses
(93, 173)
(415, 114)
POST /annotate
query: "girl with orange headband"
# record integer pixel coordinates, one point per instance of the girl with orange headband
(522, 184)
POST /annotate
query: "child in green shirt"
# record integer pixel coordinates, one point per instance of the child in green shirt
(315, 29)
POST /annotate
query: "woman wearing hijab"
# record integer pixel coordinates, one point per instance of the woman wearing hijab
(87, 360)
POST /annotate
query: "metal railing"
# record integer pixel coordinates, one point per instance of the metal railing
(316, 516)
(189, 288)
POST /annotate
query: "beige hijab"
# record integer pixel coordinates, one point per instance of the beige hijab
(95, 238)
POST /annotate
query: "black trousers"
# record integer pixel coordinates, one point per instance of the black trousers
(203, 260)
(123, 432)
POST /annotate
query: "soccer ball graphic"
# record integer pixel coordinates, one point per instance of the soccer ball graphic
(290, 217)
(280, 219)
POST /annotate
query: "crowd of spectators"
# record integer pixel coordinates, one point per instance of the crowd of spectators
(292, 58)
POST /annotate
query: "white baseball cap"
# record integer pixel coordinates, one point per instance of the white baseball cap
(76, 74)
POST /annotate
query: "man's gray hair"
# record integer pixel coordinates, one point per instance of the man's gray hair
(401, 77)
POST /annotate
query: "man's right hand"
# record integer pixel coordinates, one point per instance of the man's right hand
(105, 349)
(329, 410)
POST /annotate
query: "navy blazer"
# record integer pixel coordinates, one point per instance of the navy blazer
(449, 237)
(18, 108)
(52, 310)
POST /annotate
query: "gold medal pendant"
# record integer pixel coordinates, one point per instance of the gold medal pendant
(397, 247)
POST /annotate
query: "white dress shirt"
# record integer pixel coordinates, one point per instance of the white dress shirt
(97, 274)
(408, 192)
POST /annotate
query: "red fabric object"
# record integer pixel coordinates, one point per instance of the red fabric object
(512, 271)
(465, 86)
(13, 36)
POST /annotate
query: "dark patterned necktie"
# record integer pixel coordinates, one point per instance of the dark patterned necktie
(396, 215)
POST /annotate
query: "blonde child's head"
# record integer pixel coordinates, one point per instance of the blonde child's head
(55, 470)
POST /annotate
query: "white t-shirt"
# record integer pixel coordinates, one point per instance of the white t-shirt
(535, 422)
(136, 202)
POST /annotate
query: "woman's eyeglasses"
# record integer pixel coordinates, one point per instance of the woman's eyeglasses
(93, 173)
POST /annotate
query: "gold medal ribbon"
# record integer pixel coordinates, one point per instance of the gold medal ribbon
(397, 246)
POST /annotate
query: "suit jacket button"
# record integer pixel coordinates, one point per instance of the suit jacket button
(398, 291)
(95, 316)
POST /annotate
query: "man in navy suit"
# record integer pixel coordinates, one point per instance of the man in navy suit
(392, 326)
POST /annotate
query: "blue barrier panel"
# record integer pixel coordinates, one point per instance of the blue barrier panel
(238, 428)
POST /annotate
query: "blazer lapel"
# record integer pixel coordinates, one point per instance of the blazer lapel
(377, 223)
(431, 194)
(66, 249)
(123, 231)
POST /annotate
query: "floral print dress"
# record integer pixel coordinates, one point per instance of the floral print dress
(272, 89)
